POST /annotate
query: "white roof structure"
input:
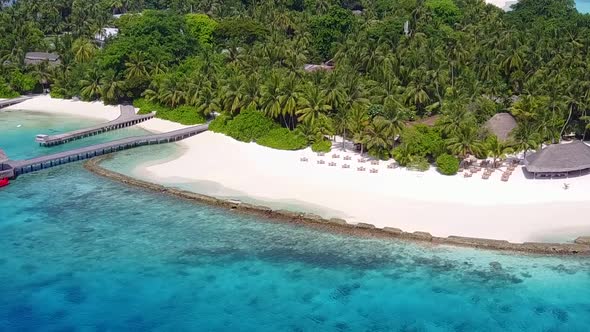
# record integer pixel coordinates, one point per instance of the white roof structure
(106, 33)
(502, 4)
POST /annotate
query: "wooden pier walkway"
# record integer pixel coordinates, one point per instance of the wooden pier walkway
(126, 118)
(13, 101)
(14, 168)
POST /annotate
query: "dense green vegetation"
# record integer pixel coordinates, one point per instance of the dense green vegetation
(447, 164)
(322, 146)
(253, 126)
(186, 115)
(460, 59)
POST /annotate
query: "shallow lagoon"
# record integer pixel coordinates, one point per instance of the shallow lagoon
(79, 252)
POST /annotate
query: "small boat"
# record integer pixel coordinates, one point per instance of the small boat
(4, 182)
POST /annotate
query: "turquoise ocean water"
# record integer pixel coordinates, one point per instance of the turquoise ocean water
(82, 253)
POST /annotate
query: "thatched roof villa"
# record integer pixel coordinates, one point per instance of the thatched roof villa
(501, 125)
(33, 58)
(559, 160)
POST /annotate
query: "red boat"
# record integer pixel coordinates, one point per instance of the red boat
(4, 182)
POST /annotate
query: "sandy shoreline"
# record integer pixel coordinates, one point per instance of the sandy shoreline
(520, 210)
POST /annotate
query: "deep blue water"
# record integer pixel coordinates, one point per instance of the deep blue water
(82, 253)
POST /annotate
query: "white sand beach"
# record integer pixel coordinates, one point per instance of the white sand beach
(46, 104)
(519, 210)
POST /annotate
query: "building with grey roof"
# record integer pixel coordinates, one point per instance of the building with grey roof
(33, 58)
(559, 160)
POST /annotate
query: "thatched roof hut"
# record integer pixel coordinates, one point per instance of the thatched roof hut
(559, 159)
(33, 58)
(501, 125)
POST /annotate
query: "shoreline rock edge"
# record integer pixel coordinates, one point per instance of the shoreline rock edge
(581, 246)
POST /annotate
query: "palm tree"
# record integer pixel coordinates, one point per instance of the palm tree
(395, 114)
(455, 117)
(231, 94)
(136, 66)
(83, 50)
(376, 137)
(172, 93)
(42, 72)
(288, 98)
(341, 124)
(465, 141)
(496, 148)
(313, 105)
(205, 99)
(91, 85)
(358, 122)
(157, 67)
(271, 96)
(311, 133)
(525, 138)
(110, 87)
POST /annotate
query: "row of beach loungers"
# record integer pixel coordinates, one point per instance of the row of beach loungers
(347, 166)
(489, 170)
(360, 160)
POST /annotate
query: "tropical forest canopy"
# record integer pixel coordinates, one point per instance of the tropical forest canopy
(395, 61)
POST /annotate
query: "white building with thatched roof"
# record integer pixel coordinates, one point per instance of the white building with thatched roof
(501, 125)
(559, 160)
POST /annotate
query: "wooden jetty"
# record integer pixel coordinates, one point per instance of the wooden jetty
(13, 168)
(126, 118)
(13, 101)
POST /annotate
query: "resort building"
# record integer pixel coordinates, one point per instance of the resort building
(326, 66)
(105, 33)
(34, 58)
(559, 160)
(501, 125)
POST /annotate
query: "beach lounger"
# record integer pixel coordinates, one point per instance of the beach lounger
(335, 156)
(321, 162)
(332, 164)
(374, 162)
(360, 169)
(347, 158)
(345, 166)
(374, 170)
(303, 159)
